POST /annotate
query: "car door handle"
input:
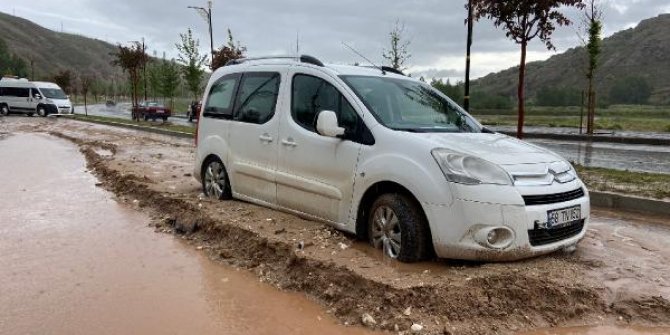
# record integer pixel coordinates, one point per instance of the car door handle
(266, 138)
(289, 142)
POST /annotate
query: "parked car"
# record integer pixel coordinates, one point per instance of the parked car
(193, 112)
(386, 157)
(110, 103)
(150, 111)
(21, 96)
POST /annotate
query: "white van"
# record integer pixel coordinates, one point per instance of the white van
(383, 156)
(26, 97)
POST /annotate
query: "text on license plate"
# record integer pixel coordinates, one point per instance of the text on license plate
(563, 216)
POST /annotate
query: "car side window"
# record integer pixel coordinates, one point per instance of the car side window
(221, 97)
(311, 95)
(257, 97)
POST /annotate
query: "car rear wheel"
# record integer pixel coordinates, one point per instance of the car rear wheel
(215, 182)
(398, 227)
(4, 110)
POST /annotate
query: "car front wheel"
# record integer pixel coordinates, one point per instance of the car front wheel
(397, 226)
(215, 183)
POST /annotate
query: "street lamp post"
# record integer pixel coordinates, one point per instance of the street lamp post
(466, 97)
(206, 14)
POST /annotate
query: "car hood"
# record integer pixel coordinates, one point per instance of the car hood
(61, 102)
(496, 148)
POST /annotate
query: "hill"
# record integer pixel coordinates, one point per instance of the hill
(52, 51)
(637, 54)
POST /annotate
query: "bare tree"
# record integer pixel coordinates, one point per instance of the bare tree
(132, 59)
(524, 20)
(85, 81)
(398, 53)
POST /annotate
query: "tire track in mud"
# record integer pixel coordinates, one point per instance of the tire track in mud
(502, 302)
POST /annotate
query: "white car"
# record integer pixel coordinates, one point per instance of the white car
(383, 156)
(21, 96)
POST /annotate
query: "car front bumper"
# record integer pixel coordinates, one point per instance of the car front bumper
(457, 229)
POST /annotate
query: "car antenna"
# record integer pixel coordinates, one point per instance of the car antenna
(367, 60)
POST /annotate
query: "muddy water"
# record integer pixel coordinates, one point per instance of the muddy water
(73, 261)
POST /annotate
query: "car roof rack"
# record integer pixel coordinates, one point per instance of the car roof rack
(301, 58)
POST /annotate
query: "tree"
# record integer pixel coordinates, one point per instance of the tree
(169, 80)
(64, 79)
(398, 53)
(232, 50)
(11, 64)
(593, 22)
(131, 59)
(455, 92)
(632, 90)
(193, 61)
(86, 81)
(524, 20)
(154, 77)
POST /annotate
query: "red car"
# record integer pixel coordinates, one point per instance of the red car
(151, 111)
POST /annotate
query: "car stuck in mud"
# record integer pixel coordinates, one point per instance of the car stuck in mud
(386, 157)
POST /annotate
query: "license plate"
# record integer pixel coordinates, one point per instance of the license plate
(160, 111)
(562, 217)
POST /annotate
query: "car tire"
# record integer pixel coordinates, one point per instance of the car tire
(4, 110)
(165, 118)
(397, 226)
(146, 118)
(41, 111)
(215, 182)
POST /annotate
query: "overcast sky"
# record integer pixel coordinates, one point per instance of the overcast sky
(435, 27)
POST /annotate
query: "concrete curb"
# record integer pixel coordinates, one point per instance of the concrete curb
(595, 138)
(139, 128)
(629, 203)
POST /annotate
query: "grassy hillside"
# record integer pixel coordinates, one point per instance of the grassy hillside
(643, 51)
(53, 51)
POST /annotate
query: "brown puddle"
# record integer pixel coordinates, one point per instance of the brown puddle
(601, 330)
(74, 261)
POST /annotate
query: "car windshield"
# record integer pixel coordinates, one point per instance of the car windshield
(53, 93)
(409, 105)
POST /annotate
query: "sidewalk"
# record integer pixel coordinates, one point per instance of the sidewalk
(572, 134)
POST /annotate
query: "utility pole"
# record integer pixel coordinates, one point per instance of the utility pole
(206, 14)
(466, 97)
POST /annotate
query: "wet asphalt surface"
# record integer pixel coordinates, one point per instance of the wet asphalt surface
(122, 110)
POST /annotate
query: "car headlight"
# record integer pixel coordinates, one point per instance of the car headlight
(469, 170)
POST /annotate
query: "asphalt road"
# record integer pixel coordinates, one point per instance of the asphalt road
(121, 110)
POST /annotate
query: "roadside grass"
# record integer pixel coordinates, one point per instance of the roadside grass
(158, 124)
(650, 185)
(602, 123)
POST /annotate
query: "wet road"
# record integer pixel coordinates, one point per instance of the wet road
(645, 158)
(74, 261)
(121, 110)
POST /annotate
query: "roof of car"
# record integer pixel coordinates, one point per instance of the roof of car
(311, 62)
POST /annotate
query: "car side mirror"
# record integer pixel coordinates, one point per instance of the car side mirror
(326, 124)
(37, 96)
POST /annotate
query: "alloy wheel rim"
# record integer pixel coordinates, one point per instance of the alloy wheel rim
(215, 180)
(386, 233)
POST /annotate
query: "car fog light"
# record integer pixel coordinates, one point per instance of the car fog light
(491, 238)
(495, 237)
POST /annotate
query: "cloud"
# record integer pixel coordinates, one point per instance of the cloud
(435, 27)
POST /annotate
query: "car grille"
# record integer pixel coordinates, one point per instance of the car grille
(540, 237)
(546, 199)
